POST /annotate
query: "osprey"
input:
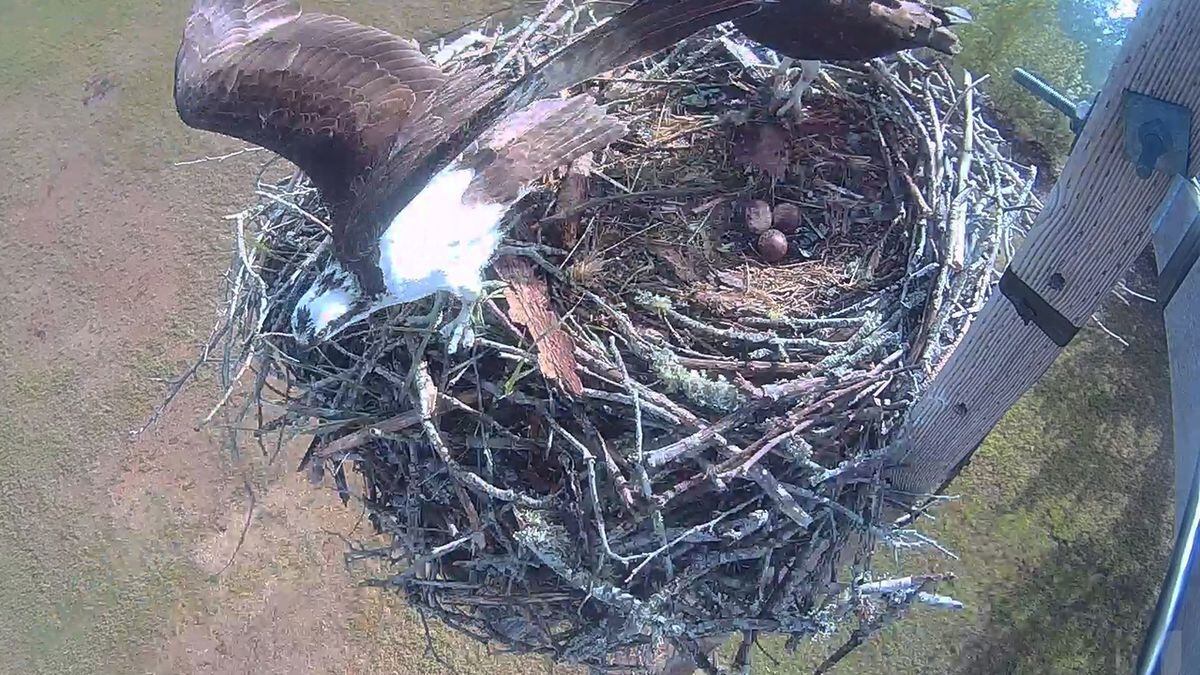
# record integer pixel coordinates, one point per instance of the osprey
(812, 31)
(418, 168)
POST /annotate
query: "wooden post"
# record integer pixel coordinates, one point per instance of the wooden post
(1096, 221)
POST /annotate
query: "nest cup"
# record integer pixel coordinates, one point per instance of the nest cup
(658, 437)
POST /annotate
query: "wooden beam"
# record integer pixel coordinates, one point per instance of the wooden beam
(1096, 221)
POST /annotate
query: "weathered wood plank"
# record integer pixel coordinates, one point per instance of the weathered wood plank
(1096, 221)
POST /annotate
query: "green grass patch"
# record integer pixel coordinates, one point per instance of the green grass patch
(1063, 526)
(1008, 34)
(41, 39)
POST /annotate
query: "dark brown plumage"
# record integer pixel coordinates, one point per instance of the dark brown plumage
(326, 93)
(379, 128)
(847, 30)
(372, 121)
(852, 30)
(640, 30)
(334, 97)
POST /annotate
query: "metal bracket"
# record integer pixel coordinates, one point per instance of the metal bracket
(1180, 264)
(1176, 237)
(1033, 308)
(1158, 135)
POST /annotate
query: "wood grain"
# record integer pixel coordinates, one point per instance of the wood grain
(1096, 221)
(529, 306)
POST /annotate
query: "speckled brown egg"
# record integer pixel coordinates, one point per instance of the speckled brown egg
(756, 214)
(787, 218)
(773, 246)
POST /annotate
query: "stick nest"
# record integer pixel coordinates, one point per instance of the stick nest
(658, 437)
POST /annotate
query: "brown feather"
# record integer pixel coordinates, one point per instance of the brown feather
(454, 118)
(640, 30)
(508, 154)
(529, 144)
(370, 120)
(439, 118)
(849, 30)
(324, 92)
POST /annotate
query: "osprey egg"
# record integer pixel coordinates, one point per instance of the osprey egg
(787, 218)
(773, 246)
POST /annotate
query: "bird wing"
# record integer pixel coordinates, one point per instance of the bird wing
(922, 23)
(416, 153)
(505, 158)
(853, 30)
(638, 31)
(324, 92)
(530, 143)
(471, 102)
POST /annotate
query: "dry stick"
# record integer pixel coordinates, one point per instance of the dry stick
(956, 225)
(529, 31)
(860, 634)
(697, 441)
(218, 158)
(614, 467)
(231, 384)
(424, 397)
(663, 306)
(742, 465)
(704, 434)
(572, 193)
(287, 204)
(415, 567)
(747, 368)
(219, 331)
(251, 502)
(355, 439)
(689, 532)
(589, 460)
(639, 459)
(422, 522)
(662, 193)
(636, 403)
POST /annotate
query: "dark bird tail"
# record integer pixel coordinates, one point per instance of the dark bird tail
(640, 30)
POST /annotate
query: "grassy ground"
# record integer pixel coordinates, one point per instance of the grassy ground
(113, 551)
(1063, 526)
(111, 548)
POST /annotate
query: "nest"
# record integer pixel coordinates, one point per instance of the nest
(657, 437)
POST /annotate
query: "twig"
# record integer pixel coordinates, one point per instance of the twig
(219, 158)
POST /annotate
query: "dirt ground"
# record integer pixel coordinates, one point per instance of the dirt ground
(109, 266)
(114, 552)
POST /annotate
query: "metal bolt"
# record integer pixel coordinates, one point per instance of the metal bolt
(1153, 136)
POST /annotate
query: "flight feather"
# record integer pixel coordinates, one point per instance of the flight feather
(324, 92)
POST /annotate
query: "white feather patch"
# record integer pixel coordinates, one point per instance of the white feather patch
(439, 242)
(329, 298)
